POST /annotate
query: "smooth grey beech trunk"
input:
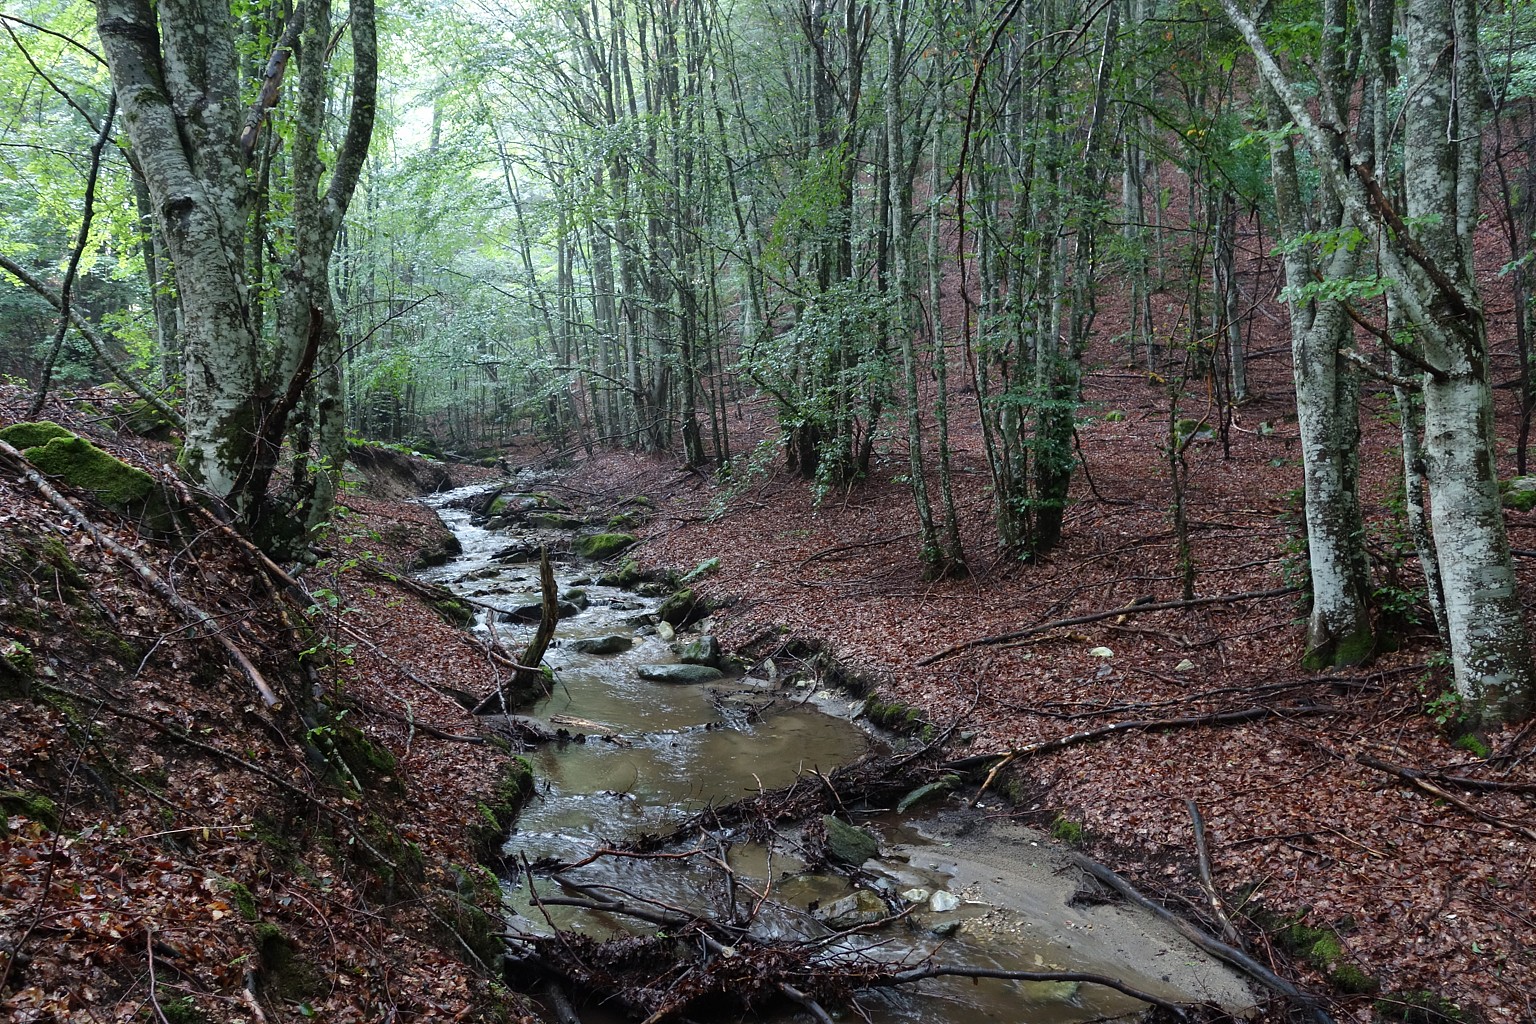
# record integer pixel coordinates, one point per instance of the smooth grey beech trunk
(176, 66)
(1428, 268)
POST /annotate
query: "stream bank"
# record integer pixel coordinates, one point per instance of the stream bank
(665, 802)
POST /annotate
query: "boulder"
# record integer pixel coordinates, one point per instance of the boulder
(577, 597)
(703, 651)
(598, 546)
(683, 608)
(679, 673)
(862, 907)
(534, 611)
(555, 521)
(617, 643)
(848, 844)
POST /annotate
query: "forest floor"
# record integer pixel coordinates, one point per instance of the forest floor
(1334, 859)
(204, 857)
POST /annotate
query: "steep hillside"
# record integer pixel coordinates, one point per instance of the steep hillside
(222, 800)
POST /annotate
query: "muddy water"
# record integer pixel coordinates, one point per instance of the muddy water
(651, 754)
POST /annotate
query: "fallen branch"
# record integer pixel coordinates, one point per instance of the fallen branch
(191, 613)
(1207, 877)
(1420, 780)
(1229, 954)
(1060, 742)
(1078, 620)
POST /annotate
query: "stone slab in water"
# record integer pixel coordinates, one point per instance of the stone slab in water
(615, 644)
(848, 844)
(680, 673)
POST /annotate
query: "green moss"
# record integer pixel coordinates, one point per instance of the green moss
(145, 420)
(81, 464)
(1518, 493)
(894, 715)
(1352, 980)
(455, 611)
(598, 546)
(33, 806)
(1298, 939)
(182, 1010)
(622, 521)
(242, 898)
(283, 972)
(32, 435)
(17, 668)
(56, 556)
(626, 575)
(1114, 416)
(1067, 831)
(1418, 1006)
(496, 813)
(1473, 744)
(373, 764)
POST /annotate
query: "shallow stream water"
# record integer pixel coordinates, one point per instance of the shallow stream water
(652, 754)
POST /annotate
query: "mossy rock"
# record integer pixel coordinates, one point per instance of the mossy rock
(32, 434)
(455, 611)
(81, 464)
(33, 806)
(555, 521)
(598, 546)
(701, 570)
(622, 521)
(899, 718)
(626, 575)
(1519, 493)
(145, 420)
(684, 608)
(847, 843)
(497, 812)
(438, 551)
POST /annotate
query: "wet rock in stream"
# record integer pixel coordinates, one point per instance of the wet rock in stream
(616, 643)
(679, 673)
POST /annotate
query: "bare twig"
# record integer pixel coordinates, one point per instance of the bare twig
(1207, 878)
(1078, 620)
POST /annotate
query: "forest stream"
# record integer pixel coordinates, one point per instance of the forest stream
(641, 757)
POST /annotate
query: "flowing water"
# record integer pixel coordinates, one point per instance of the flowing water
(645, 756)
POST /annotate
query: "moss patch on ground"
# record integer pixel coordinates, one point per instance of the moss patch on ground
(498, 810)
